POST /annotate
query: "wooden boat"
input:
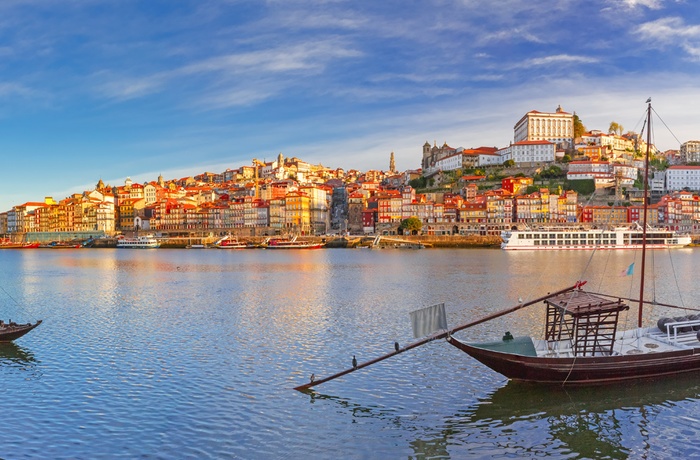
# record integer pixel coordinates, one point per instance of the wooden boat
(63, 245)
(582, 344)
(12, 331)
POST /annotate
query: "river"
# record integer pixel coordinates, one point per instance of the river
(179, 354)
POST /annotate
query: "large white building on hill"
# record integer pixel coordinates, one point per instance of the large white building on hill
(557, 127)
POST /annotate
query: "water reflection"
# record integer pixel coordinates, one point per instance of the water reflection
(15, 355)
(592, 421)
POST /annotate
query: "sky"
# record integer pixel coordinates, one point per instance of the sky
(117, 89)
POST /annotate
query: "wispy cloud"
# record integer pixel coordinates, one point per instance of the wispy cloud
(672, 32)
(633, 4)
(241, 70)
(557, 59)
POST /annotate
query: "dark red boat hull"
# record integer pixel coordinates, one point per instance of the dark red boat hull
(584, 370)
(8, 333)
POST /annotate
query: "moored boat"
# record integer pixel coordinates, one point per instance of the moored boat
(283, 243)
(578, 238)
(231, 243)
(139, 242)
(11, 331)
(583, 343)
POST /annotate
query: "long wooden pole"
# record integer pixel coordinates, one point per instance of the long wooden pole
(644, 219)
(438, 335)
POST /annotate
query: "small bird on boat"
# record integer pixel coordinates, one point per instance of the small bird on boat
(396, 346)
(354, 362)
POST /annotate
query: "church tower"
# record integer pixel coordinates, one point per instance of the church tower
(392, 163)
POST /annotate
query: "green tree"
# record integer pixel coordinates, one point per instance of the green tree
(509, 163)
(579, 129)
(615, 128)
(582, 187)
(411, 225)
(418, 183)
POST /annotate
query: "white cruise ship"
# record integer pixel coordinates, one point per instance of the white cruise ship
(576, 238)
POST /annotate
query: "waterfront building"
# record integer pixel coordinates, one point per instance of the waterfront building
(369, 220)
(355, 222)
(499, 211)
(297, 213)
(319, 206)
(408, 196)
(277, 213)
(532, 208)
(389, 205)
(473, 215)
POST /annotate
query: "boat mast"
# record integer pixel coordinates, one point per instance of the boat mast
(644, 219)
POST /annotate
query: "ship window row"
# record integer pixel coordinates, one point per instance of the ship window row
(589, 242)
(566, 236)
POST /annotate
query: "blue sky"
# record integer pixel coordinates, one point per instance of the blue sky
(110, 89)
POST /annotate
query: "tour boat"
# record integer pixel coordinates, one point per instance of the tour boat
(577, 238)
(139, 242)
(282, 243)
(582, 343)
(228, 243)
(6, 244)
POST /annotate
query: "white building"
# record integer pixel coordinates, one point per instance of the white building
(449, 163)
(681, 177)
(600, 172)
(529, 153)
(555, 127)
(490, 159)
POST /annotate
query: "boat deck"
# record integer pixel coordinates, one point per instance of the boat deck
(636, 341)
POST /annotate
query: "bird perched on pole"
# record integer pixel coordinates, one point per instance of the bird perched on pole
(354, 362)
(396, 346)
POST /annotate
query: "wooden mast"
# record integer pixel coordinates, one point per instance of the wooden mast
(644, 220)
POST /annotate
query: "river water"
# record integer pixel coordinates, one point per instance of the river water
(171, 354)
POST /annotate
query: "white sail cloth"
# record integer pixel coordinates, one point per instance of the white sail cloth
(428, 320)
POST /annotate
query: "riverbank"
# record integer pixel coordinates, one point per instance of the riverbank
(447, 241)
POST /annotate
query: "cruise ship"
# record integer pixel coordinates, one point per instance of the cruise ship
(576, 238)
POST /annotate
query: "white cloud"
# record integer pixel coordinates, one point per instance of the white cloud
(668, 30)
(651, 4)
(555, 60)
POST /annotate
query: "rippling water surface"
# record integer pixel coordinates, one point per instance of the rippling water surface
(194, 354)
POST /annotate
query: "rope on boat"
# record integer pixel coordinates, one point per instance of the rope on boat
(16, 303)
